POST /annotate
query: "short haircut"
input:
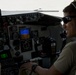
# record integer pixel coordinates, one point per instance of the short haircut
(71, 8)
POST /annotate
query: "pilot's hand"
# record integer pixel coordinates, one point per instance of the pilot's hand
(27, 65)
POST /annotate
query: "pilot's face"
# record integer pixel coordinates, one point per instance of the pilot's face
(70, 24)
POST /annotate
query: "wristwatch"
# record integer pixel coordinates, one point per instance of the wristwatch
(34, 67)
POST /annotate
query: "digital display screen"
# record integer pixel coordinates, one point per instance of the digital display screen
(3, 56)
(24, 33)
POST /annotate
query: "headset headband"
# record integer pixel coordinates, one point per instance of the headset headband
(73, 3)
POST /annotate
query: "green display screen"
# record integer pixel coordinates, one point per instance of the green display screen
(4, 56)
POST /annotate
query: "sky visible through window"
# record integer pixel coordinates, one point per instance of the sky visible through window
(31, 5)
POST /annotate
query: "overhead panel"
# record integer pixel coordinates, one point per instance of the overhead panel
(34, 18)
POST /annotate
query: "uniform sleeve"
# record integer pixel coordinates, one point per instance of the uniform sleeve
(64, 61)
